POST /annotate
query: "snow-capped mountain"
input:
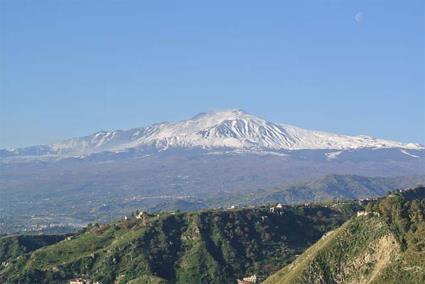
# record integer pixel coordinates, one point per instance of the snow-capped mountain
(208, 155)
(229, 129)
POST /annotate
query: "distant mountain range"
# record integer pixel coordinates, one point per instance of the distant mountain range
(224, 130)
(213, 159)
(331, 187)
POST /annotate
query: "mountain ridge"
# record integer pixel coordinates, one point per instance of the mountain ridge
(212, 246)
(229, 129)
(383, 244)
(365, 241)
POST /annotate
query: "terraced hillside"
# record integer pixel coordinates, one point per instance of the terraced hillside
(215, 246)
(385, 244)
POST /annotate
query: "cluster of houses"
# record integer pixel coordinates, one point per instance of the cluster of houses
(365, 201)
(82, 281)
(143, 215)
(277, 208)
(364, 213)
(248, 280)
(140, 215)
(79, 281)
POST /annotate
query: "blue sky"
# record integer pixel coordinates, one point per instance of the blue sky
(70, 68)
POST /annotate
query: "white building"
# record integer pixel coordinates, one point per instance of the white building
(277, 207)
(140, 215)
(79, 281)
(250, 279)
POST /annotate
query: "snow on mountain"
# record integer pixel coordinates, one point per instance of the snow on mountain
(230, 129)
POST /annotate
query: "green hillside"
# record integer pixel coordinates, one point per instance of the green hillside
(215, 246)
(386, 245)
(14, 246)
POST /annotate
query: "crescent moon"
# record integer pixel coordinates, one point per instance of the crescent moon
(358, 17)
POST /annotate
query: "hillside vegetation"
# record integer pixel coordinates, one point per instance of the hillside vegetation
(384, 245)
(14, 246)
(215, 246)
